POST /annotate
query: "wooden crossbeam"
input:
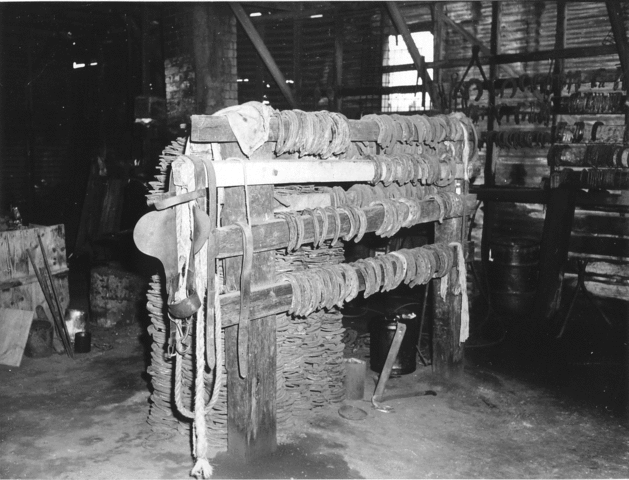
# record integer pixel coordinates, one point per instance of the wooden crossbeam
(209, 128)
(273, 234)
(266, 300)
(231, 173)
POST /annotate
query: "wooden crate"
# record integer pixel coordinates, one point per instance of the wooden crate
(19, 288)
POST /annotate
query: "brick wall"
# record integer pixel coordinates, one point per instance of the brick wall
(182, 78)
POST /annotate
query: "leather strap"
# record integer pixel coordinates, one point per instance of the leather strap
(212, 250)
(245, 297)
(171, 199)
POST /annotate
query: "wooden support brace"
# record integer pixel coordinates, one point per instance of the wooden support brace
(259, 45)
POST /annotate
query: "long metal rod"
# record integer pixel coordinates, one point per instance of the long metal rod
(54, 291)
(49, 301)
(259, 45)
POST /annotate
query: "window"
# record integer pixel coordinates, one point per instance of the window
(396, 53)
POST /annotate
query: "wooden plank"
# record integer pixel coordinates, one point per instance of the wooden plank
(510, 194)
(29, 279)
(609, 224)
(14, 328)
(259, 45)
(251, 409)
(599, 244)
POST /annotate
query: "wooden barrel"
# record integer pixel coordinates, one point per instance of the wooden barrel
(513, 270)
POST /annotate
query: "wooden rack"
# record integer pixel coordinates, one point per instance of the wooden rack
(251, 422)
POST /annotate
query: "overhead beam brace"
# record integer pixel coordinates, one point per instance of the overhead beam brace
(418, 59)
(615, 12)
(264, 53)
(472, 39)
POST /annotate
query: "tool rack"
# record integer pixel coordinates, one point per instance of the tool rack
(245, 192)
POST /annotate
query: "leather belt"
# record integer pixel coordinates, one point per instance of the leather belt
(245, 297)
(212, 251)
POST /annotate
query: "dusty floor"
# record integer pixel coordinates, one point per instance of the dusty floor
(513, 413)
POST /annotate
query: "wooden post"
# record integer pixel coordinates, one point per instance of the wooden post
(297, 50)
(491, 152)
(209, 43)
(338, 61)
(438, 37)
(447, 351)
(554, 251)
(251, 409)
(259, 45)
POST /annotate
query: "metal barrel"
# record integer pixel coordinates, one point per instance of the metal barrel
(513, 271)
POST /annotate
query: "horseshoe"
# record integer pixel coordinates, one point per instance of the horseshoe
(514, 86)
(479, 88)
(524, 81)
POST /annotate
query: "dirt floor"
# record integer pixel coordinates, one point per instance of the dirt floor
(556, 410)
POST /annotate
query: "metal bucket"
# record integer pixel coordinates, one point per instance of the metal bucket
(513, 271)
(382, 331)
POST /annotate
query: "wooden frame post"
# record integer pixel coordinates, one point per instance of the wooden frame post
(251, 408)
(491, 152)
(447, 350)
